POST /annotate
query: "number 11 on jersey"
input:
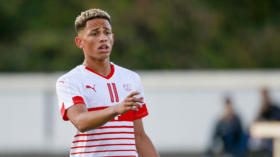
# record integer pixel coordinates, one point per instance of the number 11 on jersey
(114, 96)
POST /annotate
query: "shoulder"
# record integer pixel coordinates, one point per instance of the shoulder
(71, 76)
(126, 72)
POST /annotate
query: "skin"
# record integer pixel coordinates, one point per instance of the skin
(228, 114)
(265, 102)
(265, 99)
(97, 33)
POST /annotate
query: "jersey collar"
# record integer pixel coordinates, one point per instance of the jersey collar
(106, 77)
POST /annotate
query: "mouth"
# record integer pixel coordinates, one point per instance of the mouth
(103, 47)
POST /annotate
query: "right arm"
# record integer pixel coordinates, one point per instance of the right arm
(85, 120)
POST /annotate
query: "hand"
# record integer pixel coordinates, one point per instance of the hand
(130, 103)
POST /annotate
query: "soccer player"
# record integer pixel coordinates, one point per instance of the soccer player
(101, 99)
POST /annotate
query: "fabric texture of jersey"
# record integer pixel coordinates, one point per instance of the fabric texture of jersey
(84, 86)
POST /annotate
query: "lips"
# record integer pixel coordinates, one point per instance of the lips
(103, 47)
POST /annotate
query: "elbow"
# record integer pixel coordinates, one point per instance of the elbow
(81, 129)
(81, 126)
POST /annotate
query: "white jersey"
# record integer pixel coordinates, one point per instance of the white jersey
(84, 86)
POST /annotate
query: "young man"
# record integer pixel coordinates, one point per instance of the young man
(103, 100)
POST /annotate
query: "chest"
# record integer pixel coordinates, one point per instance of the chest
(101, 93)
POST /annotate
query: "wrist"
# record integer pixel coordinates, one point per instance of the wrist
(115, 110)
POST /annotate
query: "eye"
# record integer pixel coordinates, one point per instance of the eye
(93, 33)
(107, 33)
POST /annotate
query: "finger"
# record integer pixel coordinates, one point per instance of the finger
(135, 105)
(132, 108)
(133, 94)
(140, 100)
(134, 99)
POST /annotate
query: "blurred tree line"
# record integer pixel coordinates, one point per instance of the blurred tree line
(149, 34)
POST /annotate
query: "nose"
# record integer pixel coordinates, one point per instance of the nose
(103, 38)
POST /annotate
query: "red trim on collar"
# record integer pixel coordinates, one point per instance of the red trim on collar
(106, 77)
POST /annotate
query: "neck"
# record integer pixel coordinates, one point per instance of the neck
(228, 117)
(101, 67)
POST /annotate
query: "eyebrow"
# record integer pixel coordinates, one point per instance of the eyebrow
(96, 29)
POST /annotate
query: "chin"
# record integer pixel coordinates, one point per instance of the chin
(99, 56)
(104, 57)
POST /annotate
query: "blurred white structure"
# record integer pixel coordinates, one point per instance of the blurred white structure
(183, 106)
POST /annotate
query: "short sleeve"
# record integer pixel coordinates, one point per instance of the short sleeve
(68, 94)
(142, 111)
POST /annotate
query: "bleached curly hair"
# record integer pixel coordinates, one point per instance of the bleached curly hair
(89, 14)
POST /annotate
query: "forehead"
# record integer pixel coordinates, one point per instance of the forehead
(97, 23)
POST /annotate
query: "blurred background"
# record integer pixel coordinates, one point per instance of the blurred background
(210, 69)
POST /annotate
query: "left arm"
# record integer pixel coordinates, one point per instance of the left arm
(144, 145)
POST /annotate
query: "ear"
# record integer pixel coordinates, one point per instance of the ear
(78, 42)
